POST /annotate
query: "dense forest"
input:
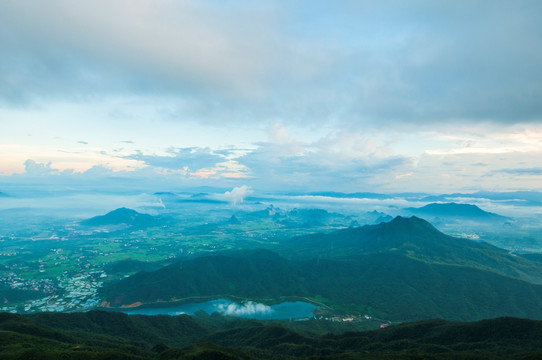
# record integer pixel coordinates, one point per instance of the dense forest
(107, 335)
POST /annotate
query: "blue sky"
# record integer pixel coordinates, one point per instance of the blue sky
(344, 95)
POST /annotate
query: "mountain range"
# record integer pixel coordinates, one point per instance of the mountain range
(402, 270)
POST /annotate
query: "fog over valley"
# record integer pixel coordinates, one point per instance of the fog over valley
(259, 180)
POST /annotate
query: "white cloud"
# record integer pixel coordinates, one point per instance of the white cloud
(33, 168)
(248, 308)
(236, 195)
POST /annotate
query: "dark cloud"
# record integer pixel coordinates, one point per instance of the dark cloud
(271, 167)
(360, 62)
(533, 171)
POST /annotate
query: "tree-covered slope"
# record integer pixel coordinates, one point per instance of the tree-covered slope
(83, 336)
(417, 239)
(249, 274)
(391, 285)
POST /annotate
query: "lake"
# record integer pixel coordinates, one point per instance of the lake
(248, 309)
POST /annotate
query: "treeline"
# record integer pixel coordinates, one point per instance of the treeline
(106, 335)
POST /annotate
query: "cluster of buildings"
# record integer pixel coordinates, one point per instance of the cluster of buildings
(68, 293)
(45, 286)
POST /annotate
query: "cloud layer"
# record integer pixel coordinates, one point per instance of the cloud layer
(360, 62)
(346, 96)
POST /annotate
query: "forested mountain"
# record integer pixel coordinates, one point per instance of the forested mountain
(417, 239)
(387, 279)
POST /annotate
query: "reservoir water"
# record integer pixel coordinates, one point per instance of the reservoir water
(249, 309)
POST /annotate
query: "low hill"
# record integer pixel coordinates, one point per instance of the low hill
(454, 210)
(122, 216)
(103, 335)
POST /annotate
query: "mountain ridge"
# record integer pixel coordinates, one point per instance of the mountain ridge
(418, 239)
(395, 286)
(121, 216)
(106, 335)
(455, 210)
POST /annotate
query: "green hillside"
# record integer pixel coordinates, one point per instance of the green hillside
(104, 335)
(391, 285)
(417, 239)
(249, 274)
(403, 270)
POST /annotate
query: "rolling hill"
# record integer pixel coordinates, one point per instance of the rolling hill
(104, 335)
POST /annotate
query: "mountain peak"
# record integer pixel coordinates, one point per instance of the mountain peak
(400, 223)
(408, 220)
(120, 216)
(123, 211)
(456, 210)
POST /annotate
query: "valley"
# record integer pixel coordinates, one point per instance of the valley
(292, 253)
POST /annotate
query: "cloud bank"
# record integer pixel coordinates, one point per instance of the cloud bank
(304, 95)
(359, 62)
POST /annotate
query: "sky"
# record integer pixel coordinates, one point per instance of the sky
(380, 96)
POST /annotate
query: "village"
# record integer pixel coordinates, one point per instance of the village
(336, 316)
(62, 294)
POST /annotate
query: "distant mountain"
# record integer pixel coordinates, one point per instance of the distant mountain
(385, 218)
(234, 220)
(521, 198)
(106, 335)
(360, 195)
(376, 217)
(297, 217)
(309, 217)
(122, 216)
(203, 198)
(453, 210)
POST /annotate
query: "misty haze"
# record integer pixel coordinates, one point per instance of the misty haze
(258, 180)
